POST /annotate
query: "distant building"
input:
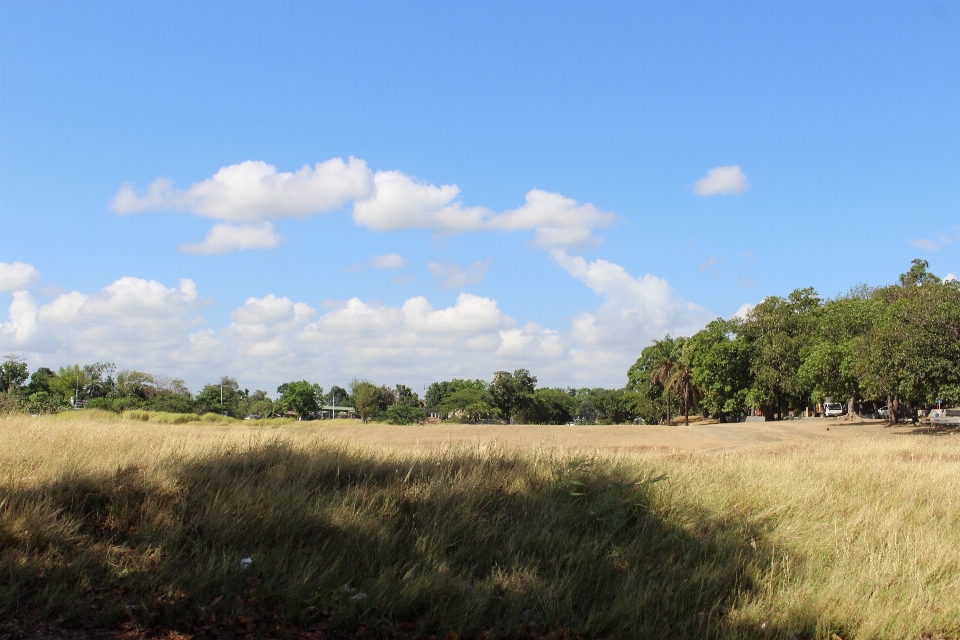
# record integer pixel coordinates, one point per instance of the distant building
(501, 374)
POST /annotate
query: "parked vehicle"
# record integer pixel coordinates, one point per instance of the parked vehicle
(945, 417)
(832, 410)
(883, 412)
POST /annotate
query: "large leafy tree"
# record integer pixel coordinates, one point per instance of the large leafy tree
(913, 351)
(512, 394)
(13, 373)
(828, 367)
(221, 397)
(302, 397)
(366, 398)
(721, 368)
(777, 330)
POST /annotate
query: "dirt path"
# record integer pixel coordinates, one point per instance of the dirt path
(708, 437)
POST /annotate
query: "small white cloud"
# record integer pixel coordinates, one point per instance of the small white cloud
(924, 244)
(226, 237)
(254, 191)
(722, 180)
(453, 276)
(707, 264)
(949, 277)
(17, 276)
(744, 310)
(388, 261)
(558, 221)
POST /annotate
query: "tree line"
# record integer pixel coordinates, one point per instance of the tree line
(896, 345)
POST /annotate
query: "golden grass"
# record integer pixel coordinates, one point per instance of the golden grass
(856, 537)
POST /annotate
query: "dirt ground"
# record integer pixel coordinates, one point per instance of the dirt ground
(696, 437)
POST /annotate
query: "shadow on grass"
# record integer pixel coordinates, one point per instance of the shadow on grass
(469, 542)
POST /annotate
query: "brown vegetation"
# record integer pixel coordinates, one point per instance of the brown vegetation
(122, 524)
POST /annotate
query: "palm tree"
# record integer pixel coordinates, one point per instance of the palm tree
(663, 374)
(682, 382)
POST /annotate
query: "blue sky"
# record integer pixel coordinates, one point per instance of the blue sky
(576, 134)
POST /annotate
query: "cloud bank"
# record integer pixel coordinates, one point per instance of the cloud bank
(146, 325)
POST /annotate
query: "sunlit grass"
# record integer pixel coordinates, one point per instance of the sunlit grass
(856, 537)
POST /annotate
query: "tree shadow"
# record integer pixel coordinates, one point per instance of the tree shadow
(468, 542)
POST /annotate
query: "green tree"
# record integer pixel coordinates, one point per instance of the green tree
(828, 367)
(721, 368)
(913, 351)
(301, 396)
(681, 381)
(404, 414)
(13, 373)
(549, 406)
(777, 330)
(222, 397)
(511, 394)
(406, 397)
(42, 380)
(366, 398)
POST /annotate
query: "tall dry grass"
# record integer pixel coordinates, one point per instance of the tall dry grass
(860, 538)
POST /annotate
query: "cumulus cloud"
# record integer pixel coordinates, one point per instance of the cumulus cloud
(635, 309)
(149, 326)
(949, 277)
(722, 180)
(558, 221)
(253, 191)
(17, 276)
(388, 261)
(226, 237)
(132, 318)
(453, 276)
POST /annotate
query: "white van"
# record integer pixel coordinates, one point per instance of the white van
(832, 410)
(946, 417)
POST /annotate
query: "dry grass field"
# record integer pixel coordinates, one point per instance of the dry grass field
(719, 531)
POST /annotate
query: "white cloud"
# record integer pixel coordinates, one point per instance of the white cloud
(634, 312)
(226, 237)
(132, 319)
(744, 310)
(146, 325)
(400, 202)
(388, 261)
(558, 221)
(949, 277)
(17, 276)
(254, 191)
(722, 180)
(925, 244)
(453, 276)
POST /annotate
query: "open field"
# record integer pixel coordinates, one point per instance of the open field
(754, 530)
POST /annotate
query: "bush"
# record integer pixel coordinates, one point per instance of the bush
(397, 414)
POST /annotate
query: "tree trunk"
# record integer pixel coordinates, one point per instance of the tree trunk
(894, 410)
(850, 411)
(668, 406)
(686, 407)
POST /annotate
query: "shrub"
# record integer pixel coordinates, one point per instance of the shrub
(397, 414)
